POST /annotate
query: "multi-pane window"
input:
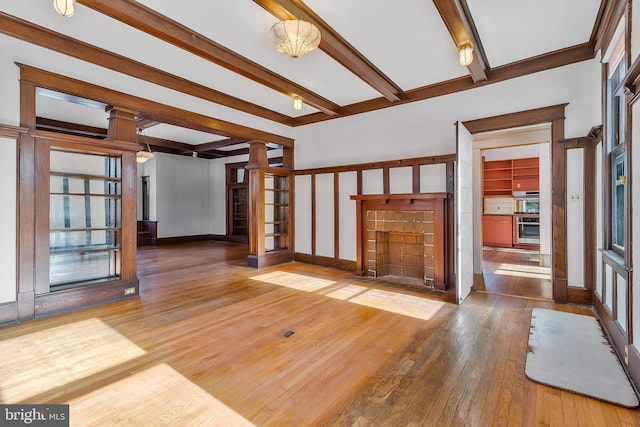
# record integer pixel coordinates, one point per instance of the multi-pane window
(616, 147)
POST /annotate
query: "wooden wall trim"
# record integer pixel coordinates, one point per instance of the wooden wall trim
(536, 64)
(8, 312)
(149, 109)
(379, 165)
(341, 264)
(84, 296)
(313, 215)
(336, 215)
(521, 118)
(8, 131)
(558, 213)
(176, 240)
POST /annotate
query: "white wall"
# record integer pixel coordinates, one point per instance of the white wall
(8, 248)
(183, 194)
(426, 127)
(575, 217)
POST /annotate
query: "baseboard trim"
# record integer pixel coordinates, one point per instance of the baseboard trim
(83, 297)
(181, 239)
(580, 296)
(8, 312)
(341, 264)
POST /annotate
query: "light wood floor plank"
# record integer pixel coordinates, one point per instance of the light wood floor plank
(204, 345)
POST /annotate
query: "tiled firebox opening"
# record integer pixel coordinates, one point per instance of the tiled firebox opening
(401, 243)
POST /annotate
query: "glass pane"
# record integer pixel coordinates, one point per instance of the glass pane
(615, 107)
(276, 212)
(73, 269)
(84, 219)
(618, 209)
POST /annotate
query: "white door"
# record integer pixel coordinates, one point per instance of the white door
(464, 212)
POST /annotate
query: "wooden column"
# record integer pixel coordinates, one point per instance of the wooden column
(258, 162)
(122, 128)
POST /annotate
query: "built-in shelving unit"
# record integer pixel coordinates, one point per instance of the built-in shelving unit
(276, 212)
(526, 174)
(497, 178)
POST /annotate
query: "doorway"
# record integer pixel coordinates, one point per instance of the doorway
(512, 194)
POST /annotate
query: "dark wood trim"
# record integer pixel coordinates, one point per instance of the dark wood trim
(270, 258)
(8, 312)
(580, 296)
(341, 264)
(181, 239)
(590, 226)
(336, 215)
(201, 148)
(512, 120)
(379, 165)
(43, 123)
(386, 181)
(609, 15)
(147, 20)
(313, 214)
(84, 296)
(558, 213)
(149, 109)
(334, 45)
(26, 205)
(559, 58)
(617, 336)
(7, 131)
(457, 22)
(42, 229)
(359, 181)
(44, 37)
(555, 115)
(415, 179)
(633, 364)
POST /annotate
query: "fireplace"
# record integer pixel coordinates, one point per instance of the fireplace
(401, 238)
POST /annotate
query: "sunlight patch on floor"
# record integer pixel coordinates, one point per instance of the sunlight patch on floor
(517, 270)
(394, 302)
(294, 281)
(156, 396)
(42, 361)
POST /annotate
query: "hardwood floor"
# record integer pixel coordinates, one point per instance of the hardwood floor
(514, 272)
(204, 345)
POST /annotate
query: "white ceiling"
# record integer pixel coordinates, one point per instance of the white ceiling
(407, 40)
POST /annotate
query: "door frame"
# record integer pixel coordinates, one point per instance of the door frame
(555, 115)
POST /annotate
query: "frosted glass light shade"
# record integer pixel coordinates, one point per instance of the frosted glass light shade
(294, 37)
(466, 55)
(143, 156)
(297, 103)
(64, 7)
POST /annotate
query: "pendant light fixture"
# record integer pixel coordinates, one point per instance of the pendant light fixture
(294, 37)
(297, 103)
(466, 55)
(142, 156)
(64, 7)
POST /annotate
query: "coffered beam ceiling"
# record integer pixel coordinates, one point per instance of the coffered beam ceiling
(218, 144)
(148, 20)
(457, 18)
(34, 34)
(334, 45)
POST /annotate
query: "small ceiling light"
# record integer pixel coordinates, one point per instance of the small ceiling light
(294, 37)
(64, 7)
(297, 103)
(142, 156)
(466, 55)
(194, 154)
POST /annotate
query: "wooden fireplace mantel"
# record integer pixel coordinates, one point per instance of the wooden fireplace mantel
(435, 202)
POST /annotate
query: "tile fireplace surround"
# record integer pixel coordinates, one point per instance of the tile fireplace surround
(402, 236)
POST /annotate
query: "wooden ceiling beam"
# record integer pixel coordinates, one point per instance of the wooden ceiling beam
(559, 58)
(70, 128)
(462, 30)
(334, 45)
(200, 148)
(146, 123)
(151, 22)
(43, 37)
(151, 110)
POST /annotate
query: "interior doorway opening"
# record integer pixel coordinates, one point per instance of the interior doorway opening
(512, 205)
